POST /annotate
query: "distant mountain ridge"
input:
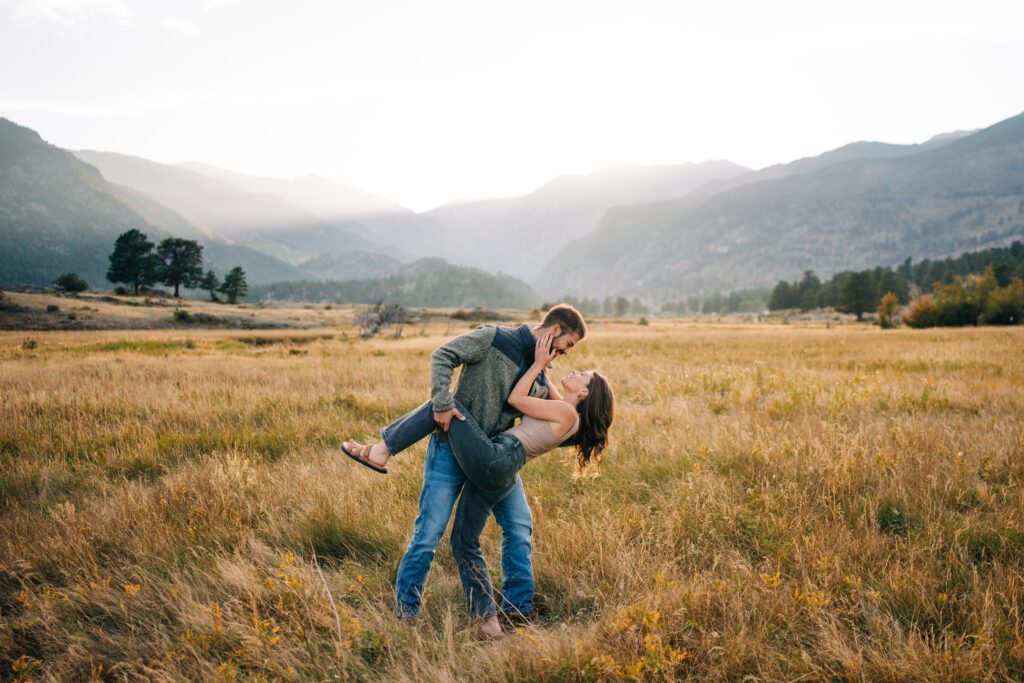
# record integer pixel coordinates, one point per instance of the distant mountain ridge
(517, 235)
(513, 235)
(264, 222)
(330, 200)
(946, 196)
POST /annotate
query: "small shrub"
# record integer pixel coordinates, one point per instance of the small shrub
(923, 312)
(643, 322)
(887, 310)
(892, 518)
(71, 282)
(181, 315)
(29, 344)
(1004, 306)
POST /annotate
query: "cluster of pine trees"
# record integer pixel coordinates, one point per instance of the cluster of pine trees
(175, 262)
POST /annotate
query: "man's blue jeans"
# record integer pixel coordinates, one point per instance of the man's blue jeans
(442, 482)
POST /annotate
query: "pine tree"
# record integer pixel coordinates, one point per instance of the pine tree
(235, 285)
(781, 296)
(133, 260)
(182, 263)
(210, 283)
(859, 294)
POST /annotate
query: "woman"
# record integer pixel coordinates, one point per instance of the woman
(490, 465)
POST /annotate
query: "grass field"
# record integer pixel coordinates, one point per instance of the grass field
(778, 502)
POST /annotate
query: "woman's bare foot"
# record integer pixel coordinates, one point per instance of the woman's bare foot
(490, 629)
(377, 453)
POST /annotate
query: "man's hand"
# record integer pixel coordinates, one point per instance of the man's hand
(444, 419)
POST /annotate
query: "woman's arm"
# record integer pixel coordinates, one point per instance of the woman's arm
(540, 408)
(553, 393)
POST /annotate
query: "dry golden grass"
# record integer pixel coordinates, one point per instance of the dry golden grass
(777, 503)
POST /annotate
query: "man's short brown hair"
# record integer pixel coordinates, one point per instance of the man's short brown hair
(567, 317)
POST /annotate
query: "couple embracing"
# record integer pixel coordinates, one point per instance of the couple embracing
(475, 451)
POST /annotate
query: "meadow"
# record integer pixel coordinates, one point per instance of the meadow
(778, 502)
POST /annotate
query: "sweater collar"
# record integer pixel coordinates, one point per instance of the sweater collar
(528, 342)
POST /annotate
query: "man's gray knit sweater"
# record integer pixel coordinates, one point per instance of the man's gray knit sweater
(492, 360)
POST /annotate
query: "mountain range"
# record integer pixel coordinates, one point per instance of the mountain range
(849, 209)
(59, 213)
(654, 232)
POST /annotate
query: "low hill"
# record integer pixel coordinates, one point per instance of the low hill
(426, 282)
(351, 265)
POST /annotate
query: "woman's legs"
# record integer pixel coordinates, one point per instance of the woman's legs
(470, 518)
(397, 436)
(473, 450)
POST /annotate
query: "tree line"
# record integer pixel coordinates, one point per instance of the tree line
(175, 262)
(978, 299)
(858, 292)
(618, 307)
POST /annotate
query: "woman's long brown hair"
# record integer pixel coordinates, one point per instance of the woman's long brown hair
(596, 413)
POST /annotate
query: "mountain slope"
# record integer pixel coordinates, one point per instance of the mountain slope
(56, 213)
(59, 214)
(965, 194)
(263, 222)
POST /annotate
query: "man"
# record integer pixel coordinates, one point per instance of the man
(492, 360)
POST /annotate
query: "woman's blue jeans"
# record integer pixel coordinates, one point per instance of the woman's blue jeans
(443, 479)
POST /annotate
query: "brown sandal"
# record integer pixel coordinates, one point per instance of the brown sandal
(364, 459)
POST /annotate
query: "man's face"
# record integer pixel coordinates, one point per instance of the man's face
(564, 342)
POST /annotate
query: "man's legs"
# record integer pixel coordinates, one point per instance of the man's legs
(442, 481)
(516, 521)
(470, 518)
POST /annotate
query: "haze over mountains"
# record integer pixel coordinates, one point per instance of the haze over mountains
(261, 220)
(58, 214)
(656, 232)
(957, 193)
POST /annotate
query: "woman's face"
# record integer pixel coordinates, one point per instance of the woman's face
(577, 381)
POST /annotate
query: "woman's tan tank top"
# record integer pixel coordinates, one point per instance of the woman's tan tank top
(538, 436)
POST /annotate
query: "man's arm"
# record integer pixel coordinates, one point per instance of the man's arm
(462, 350)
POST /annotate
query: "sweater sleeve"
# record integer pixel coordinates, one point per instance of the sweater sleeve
(463, 350)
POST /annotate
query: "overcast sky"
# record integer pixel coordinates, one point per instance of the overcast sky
(434, 100)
